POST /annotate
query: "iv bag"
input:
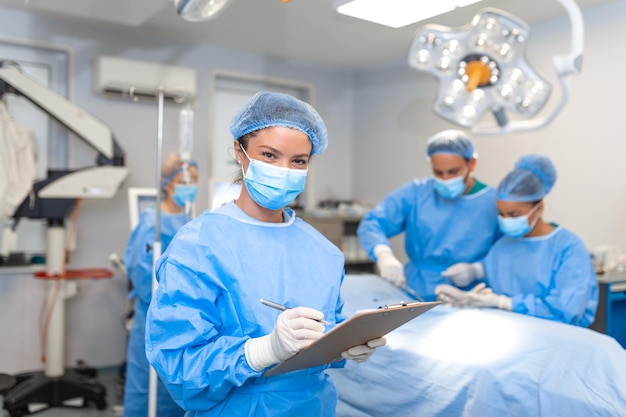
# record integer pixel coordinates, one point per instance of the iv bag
(185, 131)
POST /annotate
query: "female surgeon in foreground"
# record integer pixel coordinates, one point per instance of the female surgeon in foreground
(207, 335)
(538, 268)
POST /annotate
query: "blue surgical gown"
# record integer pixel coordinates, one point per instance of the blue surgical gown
(211, 280)
(138, 259)
(439, 232)
(548, 276)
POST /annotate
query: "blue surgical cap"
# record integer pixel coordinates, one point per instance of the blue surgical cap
(266, 109)
(530, 181)
(172, 166)
(451, 141)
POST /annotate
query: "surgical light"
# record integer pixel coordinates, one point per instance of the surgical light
(199, 10)
(482, 68)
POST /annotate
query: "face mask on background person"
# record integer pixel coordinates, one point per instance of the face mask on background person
(185, 194)
(452, 188)
(517, 226)
(273, 187)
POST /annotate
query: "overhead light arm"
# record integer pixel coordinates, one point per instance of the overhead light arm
(565, 65)
(572, 62)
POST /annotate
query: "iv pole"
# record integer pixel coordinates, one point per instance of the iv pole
(156, 249)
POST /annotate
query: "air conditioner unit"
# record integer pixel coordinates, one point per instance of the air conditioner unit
(142, 80)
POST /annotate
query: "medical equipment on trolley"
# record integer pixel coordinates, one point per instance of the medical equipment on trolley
(52, 199)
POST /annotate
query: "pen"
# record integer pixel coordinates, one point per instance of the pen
(283, 308)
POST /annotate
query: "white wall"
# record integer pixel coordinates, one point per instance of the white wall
(94, 330)
(393, 119)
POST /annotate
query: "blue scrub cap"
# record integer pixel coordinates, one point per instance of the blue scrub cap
(530, 181)
(451, 141)
(266, 109)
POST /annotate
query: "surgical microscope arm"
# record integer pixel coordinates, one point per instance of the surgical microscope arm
(94, 132)
(101, 181)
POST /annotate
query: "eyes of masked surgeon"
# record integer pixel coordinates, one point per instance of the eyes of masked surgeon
(447, 166)
(279, 146)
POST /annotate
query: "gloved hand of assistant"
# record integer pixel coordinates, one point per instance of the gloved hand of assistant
(362, 353)
(479, 296)
(463, 274)
(389, 266)
(450, 294)
(487, 298)
(295, 329)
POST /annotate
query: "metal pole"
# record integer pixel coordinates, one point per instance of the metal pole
(157, 238)
(55, 333)
(156, 249)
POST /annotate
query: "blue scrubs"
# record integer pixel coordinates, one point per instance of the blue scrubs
(548, 276)
(439, 232)
(138, 261)
(211, 280)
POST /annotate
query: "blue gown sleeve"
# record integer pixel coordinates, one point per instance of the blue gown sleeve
(206, 305)
(183, 342)
(572, 294)
(387, 219)
(138, 259)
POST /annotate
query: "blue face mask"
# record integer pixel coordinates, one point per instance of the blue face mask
(185, 194)
(517, 226)
(452, 188)
(273, 187)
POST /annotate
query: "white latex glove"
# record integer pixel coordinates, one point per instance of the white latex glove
(295, 329)
(487, 298)
(450, 294)
(389, 266)
(463, 274)
(362, 353)
(479, 296)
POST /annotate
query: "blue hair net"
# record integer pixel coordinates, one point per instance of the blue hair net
(532, 178)
(451, 141)
(266, 109)
(172, 166)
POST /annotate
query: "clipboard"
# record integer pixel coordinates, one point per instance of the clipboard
(357, 330)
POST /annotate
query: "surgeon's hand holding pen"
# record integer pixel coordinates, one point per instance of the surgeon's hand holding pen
(282, 307)
(295, 329)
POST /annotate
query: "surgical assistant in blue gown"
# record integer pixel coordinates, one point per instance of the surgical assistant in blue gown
(548, 276)
(538, 268)
(138, 259)
(199, 299)
(439, 231)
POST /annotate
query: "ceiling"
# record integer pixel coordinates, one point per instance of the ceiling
(302, 30)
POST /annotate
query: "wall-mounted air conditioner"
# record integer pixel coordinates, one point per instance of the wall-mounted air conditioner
(142, 80)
